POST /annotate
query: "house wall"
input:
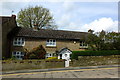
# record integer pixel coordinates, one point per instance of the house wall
(31, 43)
(6, 28)
(69, 44)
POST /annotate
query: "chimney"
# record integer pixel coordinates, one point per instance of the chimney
(90, 31)
(13, 16)
(35, 28)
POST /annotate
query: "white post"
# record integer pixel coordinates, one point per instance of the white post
(67, 62)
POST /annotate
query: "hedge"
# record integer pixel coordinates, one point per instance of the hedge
(51, 58)
(75, 54)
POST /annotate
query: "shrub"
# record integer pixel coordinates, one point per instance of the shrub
(36, 53)
(75, 54)
(12, 58)
(3, 58)
(32, 56)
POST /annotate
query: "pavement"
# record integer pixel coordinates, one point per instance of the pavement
(58, 69)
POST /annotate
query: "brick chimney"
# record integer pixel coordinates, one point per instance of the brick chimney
(90, 31)
(35, 28)
(13, 16)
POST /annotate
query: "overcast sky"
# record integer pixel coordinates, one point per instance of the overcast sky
(75, 16)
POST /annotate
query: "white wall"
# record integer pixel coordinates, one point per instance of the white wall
(64, 57)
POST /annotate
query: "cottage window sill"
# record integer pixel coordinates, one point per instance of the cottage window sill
(18, 45)
(50, 46)
(83, 47)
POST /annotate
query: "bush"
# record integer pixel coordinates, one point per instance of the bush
(32, 56)
(12, 58)
(36, 53)
(3, 58)
(75, 54)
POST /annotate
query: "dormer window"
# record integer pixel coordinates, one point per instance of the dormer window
(51, 42)
(18, 41)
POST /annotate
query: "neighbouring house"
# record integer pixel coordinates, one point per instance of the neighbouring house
(7, 24)
(54, 41)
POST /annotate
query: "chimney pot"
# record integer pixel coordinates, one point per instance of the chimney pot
(35, 28)
(13, 16)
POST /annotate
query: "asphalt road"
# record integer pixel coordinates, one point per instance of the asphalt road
(81, 73)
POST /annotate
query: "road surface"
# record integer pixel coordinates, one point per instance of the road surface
(81, 73)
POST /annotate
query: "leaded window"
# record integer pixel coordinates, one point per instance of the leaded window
(51, 42)
(18, 41)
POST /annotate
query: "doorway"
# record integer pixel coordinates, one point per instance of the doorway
(60, 56)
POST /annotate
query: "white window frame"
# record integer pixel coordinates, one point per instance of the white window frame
(49, 55)
(19, 41)
(51, 42)
(19, 54)
(82, 44)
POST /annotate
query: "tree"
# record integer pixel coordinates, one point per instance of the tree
(101, 36)
(103, 40)
(114, 39)
(92, 40)
(37, 16)
(117, 43)
(96, 40)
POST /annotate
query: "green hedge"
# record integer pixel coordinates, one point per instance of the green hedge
(75, 54)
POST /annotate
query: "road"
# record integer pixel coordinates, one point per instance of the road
(81, 73)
